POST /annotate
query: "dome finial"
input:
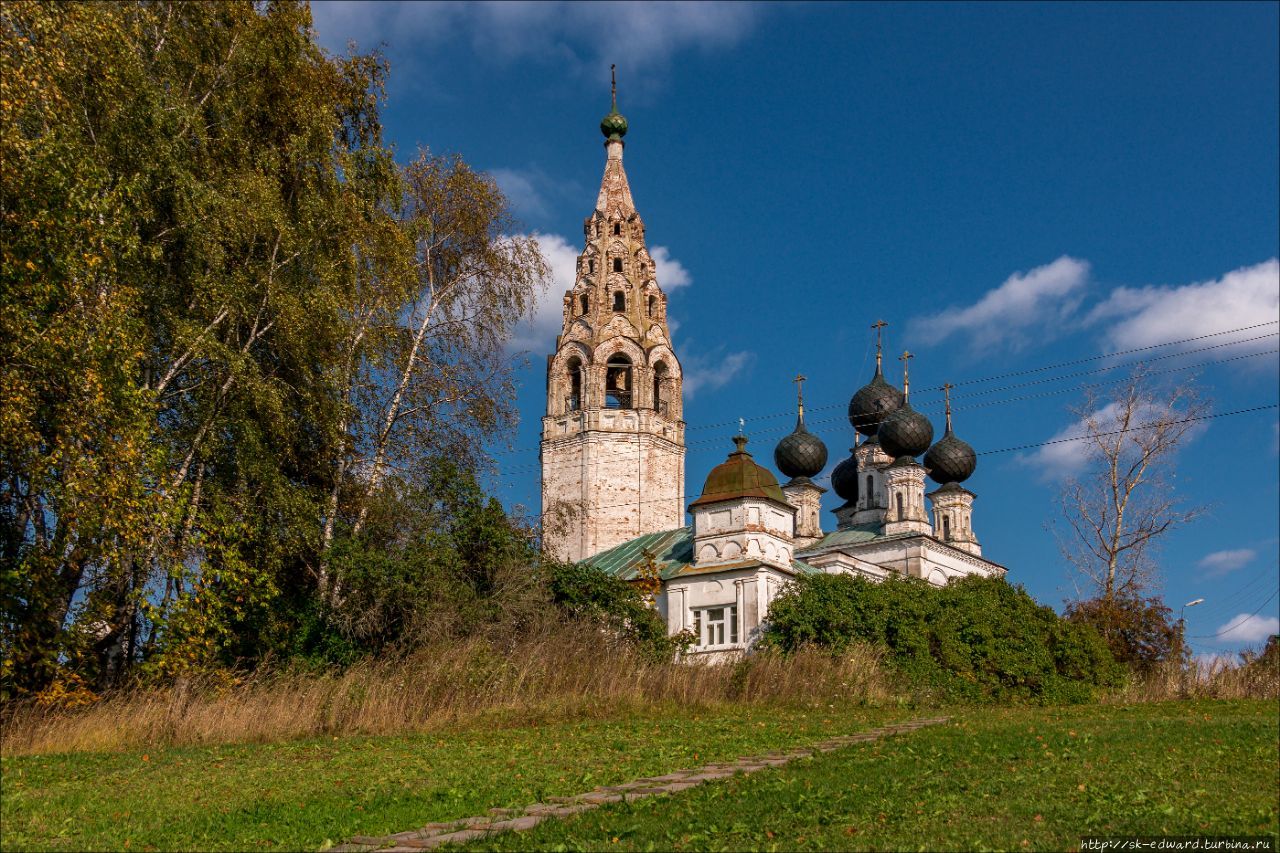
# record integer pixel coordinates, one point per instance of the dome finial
(799, 380)
(906, 379)
(946, 393)
(613, 126)
(878, 325)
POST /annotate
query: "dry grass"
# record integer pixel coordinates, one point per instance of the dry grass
(1211, 678)
(555, 672)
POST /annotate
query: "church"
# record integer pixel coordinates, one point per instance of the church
(612, 456)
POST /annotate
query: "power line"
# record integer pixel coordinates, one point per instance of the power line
(932, 390)
(1237, 621)
(1149, 425)
(624, 453)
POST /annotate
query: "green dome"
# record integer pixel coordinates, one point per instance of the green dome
(614, 125)
(740, 477)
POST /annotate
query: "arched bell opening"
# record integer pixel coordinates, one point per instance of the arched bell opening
(573, 400)
(661, 388)
(617, 383)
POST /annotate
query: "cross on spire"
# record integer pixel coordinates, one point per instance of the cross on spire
(946, 393)
(906, 381)
(878, 325)
(613, 86)
(799, 380)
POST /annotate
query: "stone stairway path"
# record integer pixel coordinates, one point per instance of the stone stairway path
(515, 820)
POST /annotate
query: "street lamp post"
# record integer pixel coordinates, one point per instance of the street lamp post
(1182, 635)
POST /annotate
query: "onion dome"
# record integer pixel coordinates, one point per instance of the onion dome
(951, 460)
(905, 432)
(844, 479)
(873, 402)
(740, 477)
(800, 454)
(613, 126)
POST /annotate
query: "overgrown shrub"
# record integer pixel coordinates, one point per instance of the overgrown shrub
(1139, 631)
(586, 592)
(976, 639)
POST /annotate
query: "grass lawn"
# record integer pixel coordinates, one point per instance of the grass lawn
(999, 778)
(306, 794)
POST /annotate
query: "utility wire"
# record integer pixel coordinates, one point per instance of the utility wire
(1135, 428)
(936, 390)
(1237, 621)
(623, 453)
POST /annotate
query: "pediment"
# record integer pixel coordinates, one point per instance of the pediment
(620, 326)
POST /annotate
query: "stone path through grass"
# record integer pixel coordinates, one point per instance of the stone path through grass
(514, 820)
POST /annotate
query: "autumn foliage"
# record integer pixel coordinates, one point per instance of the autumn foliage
(233, 331)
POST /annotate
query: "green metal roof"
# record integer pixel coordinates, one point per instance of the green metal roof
(672, 551)
(740, 477)
(847, 536)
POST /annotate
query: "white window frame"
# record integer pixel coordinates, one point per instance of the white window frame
(724, 627)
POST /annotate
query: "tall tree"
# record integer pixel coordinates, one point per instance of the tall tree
(1125, 502)
(425, 365)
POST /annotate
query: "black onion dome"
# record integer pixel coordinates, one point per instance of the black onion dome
(950, 460)
(844, 479)
(800, 454)
(872, 403)
(905, 432)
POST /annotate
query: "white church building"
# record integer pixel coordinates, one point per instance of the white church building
(612, 455)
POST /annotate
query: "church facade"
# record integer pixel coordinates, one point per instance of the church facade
(612, 455)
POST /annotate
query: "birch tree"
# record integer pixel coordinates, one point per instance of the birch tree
(1125, 502)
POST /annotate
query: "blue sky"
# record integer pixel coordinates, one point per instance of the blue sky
(1009, 186)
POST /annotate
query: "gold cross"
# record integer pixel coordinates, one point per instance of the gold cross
(946, 393)
(799, 380)
(613, 85)
(878, 325)
(906, 382)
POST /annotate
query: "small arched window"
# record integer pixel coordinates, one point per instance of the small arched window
(871, 492)
(902, 513)
(617, 264)
(584, 303)
(617, 382)
(946, 527)
(653, 305)
(619, 301)
(591, 265)
(617, 228)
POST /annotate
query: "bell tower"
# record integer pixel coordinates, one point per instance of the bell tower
(612, 448)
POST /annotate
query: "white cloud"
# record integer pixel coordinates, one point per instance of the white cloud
(670, 273)
(538, 334)
(1026, 307)
(1141, 316)
(1224, 562)
(573, 35)
(709, 372)
(1066, 452)
(1247, 628)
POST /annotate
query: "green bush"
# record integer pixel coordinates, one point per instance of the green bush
(977, 639)
(585, 592)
